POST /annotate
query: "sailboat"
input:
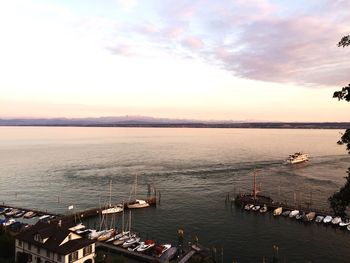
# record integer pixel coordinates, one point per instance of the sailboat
(132, 238)
(110, 208)
(137, 203)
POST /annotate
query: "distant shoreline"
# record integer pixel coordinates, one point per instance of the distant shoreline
(250, 125)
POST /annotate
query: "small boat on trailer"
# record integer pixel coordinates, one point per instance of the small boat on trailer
(300, 216)
(309, 216)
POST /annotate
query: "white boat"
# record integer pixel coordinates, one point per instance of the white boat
(130, 241)
(348, 227)
(145, 245)
(159, 250)
(95, 234)
(336, 220)
(256, 208)
(293, 213)
(77, 227)
(9, 222)
(12, 212)
(44, 217)
(319, 219)
(344, 223)
(107, 235)
(297, 157)
(113, 209)
(137, 203)
(263, 209)
(277, 211)
(327, 219)
(29, 214)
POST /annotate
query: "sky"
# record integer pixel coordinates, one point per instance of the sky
(261, 60)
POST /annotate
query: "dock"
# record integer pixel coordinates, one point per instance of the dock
(127, 253)
(38, 212)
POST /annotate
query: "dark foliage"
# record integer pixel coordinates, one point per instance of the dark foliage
(345, 41)
(341, 199)
(343, 94)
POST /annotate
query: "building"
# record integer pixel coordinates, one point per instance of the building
(53, 243)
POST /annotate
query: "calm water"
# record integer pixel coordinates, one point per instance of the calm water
(194, 169)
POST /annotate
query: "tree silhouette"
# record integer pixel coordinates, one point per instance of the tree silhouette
(341, 199)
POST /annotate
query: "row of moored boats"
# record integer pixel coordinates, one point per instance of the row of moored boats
(302, 216)
(9, 215)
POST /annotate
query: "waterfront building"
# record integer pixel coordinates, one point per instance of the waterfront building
(53, 243)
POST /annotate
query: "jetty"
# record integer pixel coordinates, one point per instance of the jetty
(38, 212)
(126, 252)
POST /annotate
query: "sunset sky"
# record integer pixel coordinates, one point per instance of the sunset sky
(199, 59)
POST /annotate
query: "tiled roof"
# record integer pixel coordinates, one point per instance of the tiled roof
(55, 234)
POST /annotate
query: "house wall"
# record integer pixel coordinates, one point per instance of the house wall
(53, 256)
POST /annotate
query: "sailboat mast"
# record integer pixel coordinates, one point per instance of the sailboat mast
(123, 218)
(135, 185)
(110, 193)
(129, 222)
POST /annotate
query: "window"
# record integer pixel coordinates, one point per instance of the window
(47, 253)
(73, 257)
(29, 246)
(38, 238)
(38, 250)
(30, 258)
(87, 250)
(59, 257)
(20, 243)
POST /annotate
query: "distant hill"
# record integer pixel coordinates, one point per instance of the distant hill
(144, 121)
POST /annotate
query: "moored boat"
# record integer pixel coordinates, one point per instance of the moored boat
(19, 214)
(256, 208)
(336, 220)
(300, 216)
(29, 214)
(130, 241)
(277, 211)
(286, 213)
(9, 222)
(138, 204)
(319, 219)
(145, 245)
(107, 235)
(327, 219)
(293, 213)
(310, 216)
(160, 249)
(113, 209)
(344, 223)
(263, 209)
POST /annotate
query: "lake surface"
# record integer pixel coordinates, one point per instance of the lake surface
(194, 169)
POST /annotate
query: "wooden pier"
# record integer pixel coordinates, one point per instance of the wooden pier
(38, 212)
(127, 253)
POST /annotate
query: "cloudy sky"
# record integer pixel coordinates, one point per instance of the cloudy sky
(199, 59)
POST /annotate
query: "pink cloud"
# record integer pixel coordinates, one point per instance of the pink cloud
(193, 43)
